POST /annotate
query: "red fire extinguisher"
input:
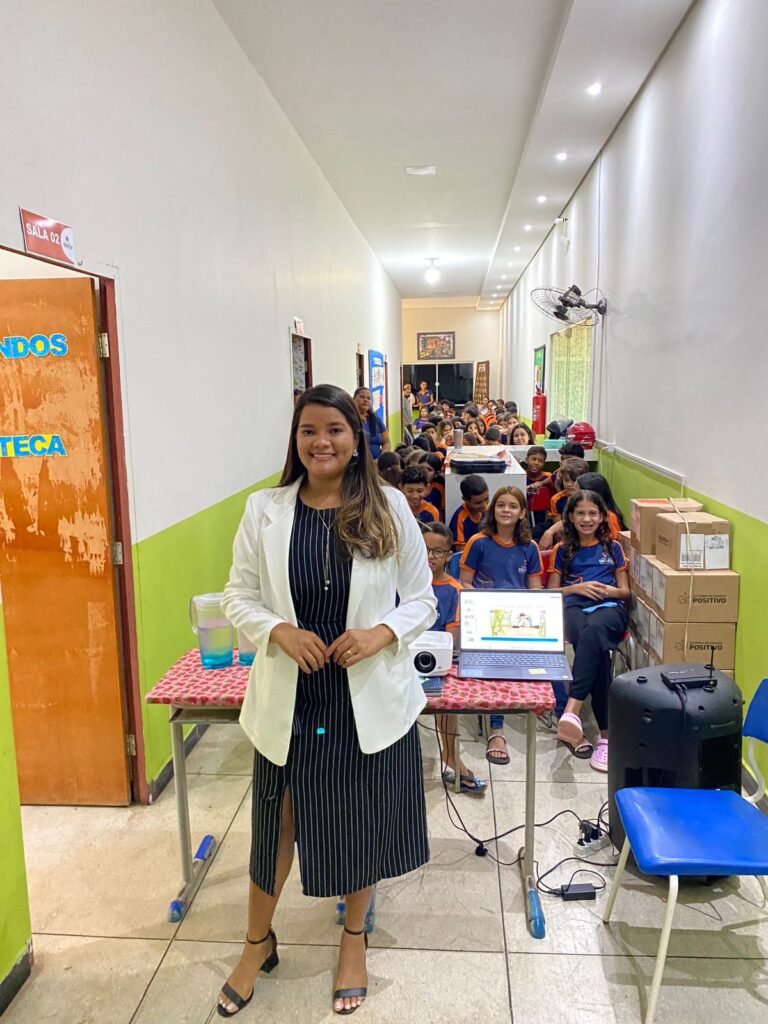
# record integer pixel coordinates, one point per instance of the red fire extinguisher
(539, 412)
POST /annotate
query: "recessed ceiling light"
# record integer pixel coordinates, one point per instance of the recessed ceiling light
(517, 249)
(503, 277)
(595, 89)
(527, 227)
(422, 170)
(541, 199)
(561, 156)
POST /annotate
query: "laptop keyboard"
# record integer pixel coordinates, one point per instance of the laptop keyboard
(517, 660)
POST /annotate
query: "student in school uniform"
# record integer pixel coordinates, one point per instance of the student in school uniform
(570, 450)
(538, 488)
(414, 486)
(522, 434)
(446, 589)
(591, 482)
(432, 465)
(589, 568)
(502, 556)
(465, 521)
(570, 472)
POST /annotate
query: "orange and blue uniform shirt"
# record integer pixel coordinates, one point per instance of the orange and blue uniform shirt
(427, 513)
(447, 596)
(436, 496)
(558, 503)
(463, 526)
(591, 563)
(500, 564)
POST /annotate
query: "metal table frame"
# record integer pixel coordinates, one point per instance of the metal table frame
(195, 866)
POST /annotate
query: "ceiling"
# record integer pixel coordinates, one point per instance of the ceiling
(487, 91)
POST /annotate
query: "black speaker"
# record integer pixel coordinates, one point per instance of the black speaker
(672, 734)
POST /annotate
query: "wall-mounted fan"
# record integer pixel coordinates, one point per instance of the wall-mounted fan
(568, 306)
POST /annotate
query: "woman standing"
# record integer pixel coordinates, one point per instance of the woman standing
(332, 701)
(374, 426)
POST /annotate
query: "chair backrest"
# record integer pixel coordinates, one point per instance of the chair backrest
(453, 564)
(756, 722)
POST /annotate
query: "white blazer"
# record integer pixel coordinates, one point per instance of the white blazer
(387, 696)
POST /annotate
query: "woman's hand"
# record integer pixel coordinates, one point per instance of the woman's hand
(355, 645)
(306, 648)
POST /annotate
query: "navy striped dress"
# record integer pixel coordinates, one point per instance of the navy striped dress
(359, 817)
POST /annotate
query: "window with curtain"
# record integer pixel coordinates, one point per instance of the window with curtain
(570, 373)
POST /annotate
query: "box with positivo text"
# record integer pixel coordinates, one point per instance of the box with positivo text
(693, 540)
(644, 512)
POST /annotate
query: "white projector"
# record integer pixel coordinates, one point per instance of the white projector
(432, 653)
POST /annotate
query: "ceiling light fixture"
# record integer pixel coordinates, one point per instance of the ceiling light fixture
(421, 170)
(527, 227)
(561, 156)
(595, 89)
(503, 277)
(517, 249)
(541, 199)
(432, 275)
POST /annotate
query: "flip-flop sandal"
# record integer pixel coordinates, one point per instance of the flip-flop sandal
(496, 756)
(583, 750)
(599, 759)
(471, 784)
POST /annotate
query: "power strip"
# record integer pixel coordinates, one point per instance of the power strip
(588, 847)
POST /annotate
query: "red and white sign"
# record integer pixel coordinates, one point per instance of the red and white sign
(46, 237)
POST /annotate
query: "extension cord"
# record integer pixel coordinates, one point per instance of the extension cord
(586, 848)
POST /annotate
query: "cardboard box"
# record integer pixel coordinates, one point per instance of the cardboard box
(667, 642)
(715, 593)
(693, 540)
(641, 621)
(625, 539)
(644, 512)
(641, 576)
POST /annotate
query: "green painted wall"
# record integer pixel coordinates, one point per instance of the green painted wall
(15, 927)
(191, 557)
(749, 557)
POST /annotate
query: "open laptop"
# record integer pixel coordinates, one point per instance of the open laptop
(512, 634)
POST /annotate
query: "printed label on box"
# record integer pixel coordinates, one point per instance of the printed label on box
(659, 588)
(692, 551)
(717, 551)
(657, 636)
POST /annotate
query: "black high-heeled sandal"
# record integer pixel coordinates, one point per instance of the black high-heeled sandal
(351, 993)
(269, 964)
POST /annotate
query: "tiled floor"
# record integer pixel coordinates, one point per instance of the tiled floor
(450, 944)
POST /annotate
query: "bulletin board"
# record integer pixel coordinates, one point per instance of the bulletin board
(377, 383)
(482, 375)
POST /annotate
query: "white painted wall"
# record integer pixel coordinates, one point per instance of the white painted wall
(680, 200)
(144, 126)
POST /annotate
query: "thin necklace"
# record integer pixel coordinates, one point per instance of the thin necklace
(327, 560)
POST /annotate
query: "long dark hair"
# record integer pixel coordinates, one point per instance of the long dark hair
(370, 415)
(364, 522)
(596, 482)
(522, 531)
(571, 539)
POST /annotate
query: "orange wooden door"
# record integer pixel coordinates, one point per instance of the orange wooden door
(55, 546)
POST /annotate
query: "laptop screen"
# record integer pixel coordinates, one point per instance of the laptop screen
(512, 620)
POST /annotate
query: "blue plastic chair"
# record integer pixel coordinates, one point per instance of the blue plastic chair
(453, 564)
(678, 832)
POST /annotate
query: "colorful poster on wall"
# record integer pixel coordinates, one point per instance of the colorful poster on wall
(436, 346)
(377, 382)
(539, 367)
(482, 375)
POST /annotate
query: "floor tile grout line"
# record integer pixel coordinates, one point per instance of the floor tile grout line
(174, 936)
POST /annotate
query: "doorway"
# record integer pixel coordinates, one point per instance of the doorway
(453, 382)
(359, 370)
(69, 629)
(301, 362)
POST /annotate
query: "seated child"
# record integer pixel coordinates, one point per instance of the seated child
(433, 466)
(437, 538)
(522, 434)
(465, 521)
(537, 487)
(591, 482)
(492, 436)
(570, 472)
(589, 568)
(414, 486)
(390, 467)
(570, 450)
(502, 556)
